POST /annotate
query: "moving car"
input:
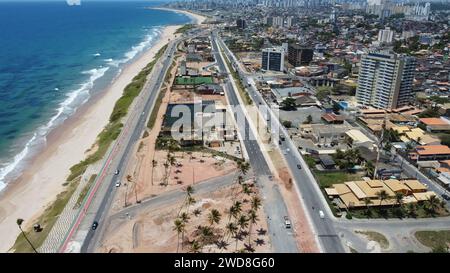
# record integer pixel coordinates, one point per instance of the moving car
(287, 222)
(299, 166)
(116, 172)
(118, 183)
(446, 197)
(321, 214)
(94, 225)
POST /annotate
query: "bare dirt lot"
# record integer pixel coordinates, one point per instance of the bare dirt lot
(152, 229)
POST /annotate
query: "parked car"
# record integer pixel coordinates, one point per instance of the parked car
(445, 196)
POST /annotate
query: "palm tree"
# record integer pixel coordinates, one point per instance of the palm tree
(255, 203)
(195, 246)
(399, 198)
(367, 202)
(242, 222)
(383, 195)
(189, 191)
(214, 217)
(230, 229)
(246, 189)
(432, 203)
(154, 164)
(243, 167)
(19, 224)
(412, 209)
(184, 217)
(190, 201)
(205, 233)
(253, 218)
(179, 227)
(235, 210)
(197, 212)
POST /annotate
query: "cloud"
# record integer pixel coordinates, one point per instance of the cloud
(73, 2)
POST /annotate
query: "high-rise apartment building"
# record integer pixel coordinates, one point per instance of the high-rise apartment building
(278, 21)
(385, 35)
(273, 59)
(385, 80)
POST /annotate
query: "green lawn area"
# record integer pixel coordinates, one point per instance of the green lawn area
(185, 28)
(327, 179)
(310, 161)
(433, 239)
(85, 190)
(375, 236)
(183, 80)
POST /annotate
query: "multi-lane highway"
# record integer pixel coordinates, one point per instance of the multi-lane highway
(309, 190)
(282, 239)
(99, 199)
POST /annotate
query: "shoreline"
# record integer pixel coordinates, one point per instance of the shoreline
(199, 19)
(65, 147)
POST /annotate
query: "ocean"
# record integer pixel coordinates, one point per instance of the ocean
(54, 57)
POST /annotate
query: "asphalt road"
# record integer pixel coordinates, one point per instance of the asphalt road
(282, 239)
(101, 197)
(310, 192)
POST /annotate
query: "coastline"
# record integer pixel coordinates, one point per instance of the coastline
(27, 196)
(198, 19)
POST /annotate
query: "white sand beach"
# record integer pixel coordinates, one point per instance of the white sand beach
(37, 187)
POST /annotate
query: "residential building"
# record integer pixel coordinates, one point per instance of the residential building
(273, 59)
(435, 124)
(431, 152)
(385, 80)
(385, 35)
(353, 194)
(278, 21)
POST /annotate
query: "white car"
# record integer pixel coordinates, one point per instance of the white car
(321, 214)
(118, 183)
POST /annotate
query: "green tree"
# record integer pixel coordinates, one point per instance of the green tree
(287, 123)
(308, 120)
(288, 104)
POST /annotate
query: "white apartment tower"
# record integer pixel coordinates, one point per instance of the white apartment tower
(385, 35)
(385, 80)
